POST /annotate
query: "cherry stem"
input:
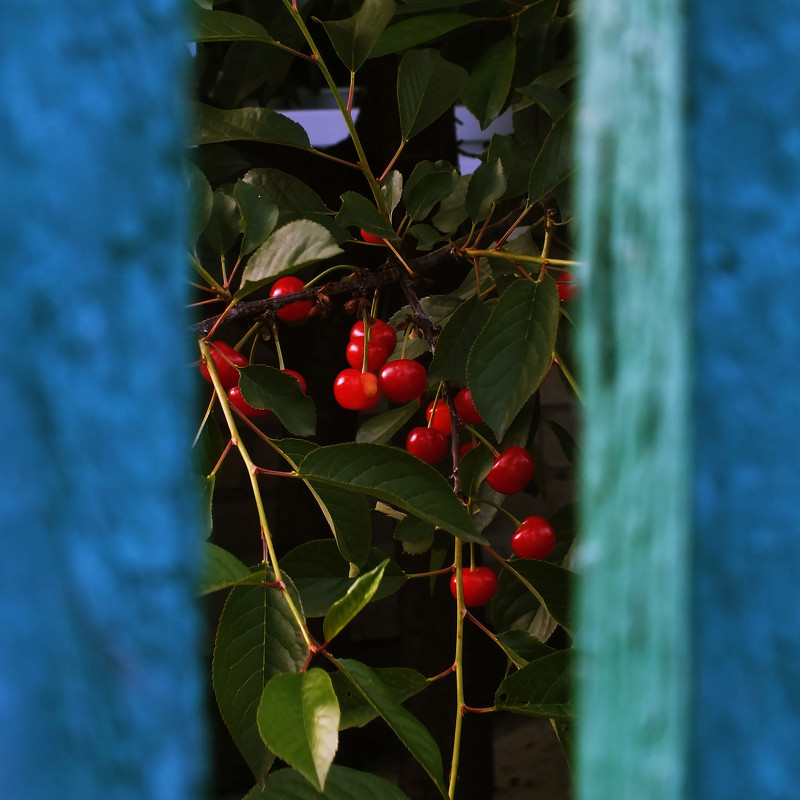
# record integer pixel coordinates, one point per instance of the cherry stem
(365, 355)
(317, 278)
(266, 538)
(472, 710)
(482, 501)
(502, 240)
(495, 452)
(429, 574)
(449, 671)
(458, 665)
(274, 328)
(525, 582)
(276, 472)
(225, 452)
(393, 160)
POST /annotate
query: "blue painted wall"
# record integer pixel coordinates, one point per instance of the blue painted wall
(99, 686)
(744, 82)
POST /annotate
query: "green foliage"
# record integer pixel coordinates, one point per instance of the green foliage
(465, 272)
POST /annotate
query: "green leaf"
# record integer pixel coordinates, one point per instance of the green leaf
(540, 689)
(222, 229)
(259, 214)
(257, 638)
(250, 124)
(298, 718)
(361, 591)
(396, 477)
(392, 189)
(427, 86)
(268, 387)
(554, 162)
(512, 353)
(554, 102)
(437, 307)
(220, 569)
(222, 26)
(514, 605)
(408, 729)
(427, 185)
(347, 514)
(414, 534)
(353, 38)
(322, 576)
(426, 235)
(517, 158)
(291, 195)
(454, 343)
(453, 209)
(342, 783)
(380, 428)
(522, 647)
(490, 82)
(488, 185)
(355, 708)
(412, 32)
(202, 197)
(357, 211)
(288, 249)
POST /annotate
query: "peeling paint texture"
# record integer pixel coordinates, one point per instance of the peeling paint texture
(99, 667)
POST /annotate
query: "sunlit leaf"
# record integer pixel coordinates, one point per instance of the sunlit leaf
(288, 249)
(220, 569)
(298, 718)
(361, 591)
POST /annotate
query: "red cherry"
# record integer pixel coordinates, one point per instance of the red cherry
(356, 390)
(511, 471)
(441, 419)
(380, 332)
(403, 380)
(226, 361)
(294, 311)
(567, 287)
(370, 238)
(376, 355)
(427, 444)
(465, 448)
(534, 538)
(479, 586)
(298, 377)
(237, 401)
(465, 408)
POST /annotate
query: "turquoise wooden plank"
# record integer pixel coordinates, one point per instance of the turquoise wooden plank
(99, 682)
(633, 636)
(745, 200)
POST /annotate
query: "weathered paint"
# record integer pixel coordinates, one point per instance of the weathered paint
(633, 637)
(99, 675)
(745, 208)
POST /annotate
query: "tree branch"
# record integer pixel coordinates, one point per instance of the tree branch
(360, 282)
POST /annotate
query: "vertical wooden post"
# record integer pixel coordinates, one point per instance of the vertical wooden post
(99, 686)
(690, 599)
(745, 206)
(633, 601)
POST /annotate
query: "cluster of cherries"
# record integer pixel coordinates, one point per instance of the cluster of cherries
(361, 386)
(365, 381)
(227, 362)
